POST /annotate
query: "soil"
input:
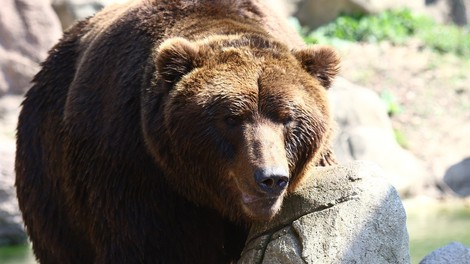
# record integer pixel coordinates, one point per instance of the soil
(432, 90)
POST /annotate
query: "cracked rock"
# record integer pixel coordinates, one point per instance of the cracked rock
(341, 214)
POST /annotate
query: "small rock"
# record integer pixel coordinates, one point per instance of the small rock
(452, 253)
(457, 178)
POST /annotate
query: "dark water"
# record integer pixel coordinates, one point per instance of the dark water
(431, 225)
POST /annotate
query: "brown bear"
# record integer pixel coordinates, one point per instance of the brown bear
(158, 131)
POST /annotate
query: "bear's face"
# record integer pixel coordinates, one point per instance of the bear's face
(239, 120)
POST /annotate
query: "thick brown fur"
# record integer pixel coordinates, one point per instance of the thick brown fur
(148, 134)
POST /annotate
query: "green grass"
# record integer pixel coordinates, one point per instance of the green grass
(396, 26)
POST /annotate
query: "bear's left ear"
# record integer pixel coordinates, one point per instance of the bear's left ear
(175, 58)
(321, 62)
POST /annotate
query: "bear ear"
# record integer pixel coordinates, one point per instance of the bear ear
(175, 58)
(321, 62)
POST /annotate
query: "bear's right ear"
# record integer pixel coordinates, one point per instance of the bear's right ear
(175, 58)
(321, 62)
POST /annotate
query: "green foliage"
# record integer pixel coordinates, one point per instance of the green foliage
(447, 39)
(396, 26)
(394, 108)
(392, 25)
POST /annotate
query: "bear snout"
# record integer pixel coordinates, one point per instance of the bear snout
(272, 181)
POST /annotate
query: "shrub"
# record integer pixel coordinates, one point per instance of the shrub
(396, 26)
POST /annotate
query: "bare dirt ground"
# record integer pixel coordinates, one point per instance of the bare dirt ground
(432, 89)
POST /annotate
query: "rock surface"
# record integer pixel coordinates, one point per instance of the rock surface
(451, 253)
(365, 133)
(28, 29)
(341, 214)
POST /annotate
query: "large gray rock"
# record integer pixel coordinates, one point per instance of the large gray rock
(365, 133)
(28, 29)
(341, 214)
(457, 178)
(452, 253)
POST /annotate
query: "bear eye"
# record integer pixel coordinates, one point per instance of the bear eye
(287, 120)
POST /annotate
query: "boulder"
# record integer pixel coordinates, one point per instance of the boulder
(365, 133)
(457, 178)
(451, 253)
(28, 29)
(340, 214)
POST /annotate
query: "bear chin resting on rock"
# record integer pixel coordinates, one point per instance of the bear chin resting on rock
(159, 131)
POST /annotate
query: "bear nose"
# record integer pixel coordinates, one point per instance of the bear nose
(272, 180)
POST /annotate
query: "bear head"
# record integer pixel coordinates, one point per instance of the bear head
(235, 121)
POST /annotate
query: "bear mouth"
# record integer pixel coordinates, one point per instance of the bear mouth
(261, 208)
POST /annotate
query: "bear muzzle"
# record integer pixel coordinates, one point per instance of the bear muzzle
(263, 200)
(260, 208)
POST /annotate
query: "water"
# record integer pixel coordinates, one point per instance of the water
(431, 225)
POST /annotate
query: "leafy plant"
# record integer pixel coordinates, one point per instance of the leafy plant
(396, 26)
(446, 39)
(392, 25)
